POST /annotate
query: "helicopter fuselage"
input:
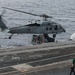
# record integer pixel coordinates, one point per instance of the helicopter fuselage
(35, 28)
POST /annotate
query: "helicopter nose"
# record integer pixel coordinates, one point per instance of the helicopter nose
(64, 30)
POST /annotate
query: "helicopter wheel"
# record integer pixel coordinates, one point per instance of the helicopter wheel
(54, 35)
(10, 36)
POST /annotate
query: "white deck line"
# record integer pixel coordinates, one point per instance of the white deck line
(25, 68)
(40, 49)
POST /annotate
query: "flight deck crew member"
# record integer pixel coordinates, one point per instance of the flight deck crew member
(49, 39)
(73, 67)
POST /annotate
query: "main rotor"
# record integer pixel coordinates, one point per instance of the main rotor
(44, 16)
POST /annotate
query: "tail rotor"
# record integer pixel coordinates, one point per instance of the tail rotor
(2, 22)
(3, 12)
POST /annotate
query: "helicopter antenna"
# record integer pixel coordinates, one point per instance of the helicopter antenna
(43, 15)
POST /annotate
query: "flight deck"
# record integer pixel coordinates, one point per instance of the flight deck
(30, 60)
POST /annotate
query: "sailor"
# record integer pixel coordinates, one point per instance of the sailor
(73, 67)
(49, 39)
(40, 39)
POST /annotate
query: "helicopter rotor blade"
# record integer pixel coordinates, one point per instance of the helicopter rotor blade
(43, 15)
(21, 11)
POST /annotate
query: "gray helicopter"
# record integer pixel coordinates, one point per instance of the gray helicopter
(46, 27)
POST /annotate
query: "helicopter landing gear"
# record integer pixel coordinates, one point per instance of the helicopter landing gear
(54, 36)
(10, 36)
(49, 39)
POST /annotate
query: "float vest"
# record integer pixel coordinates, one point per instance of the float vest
(73, 61)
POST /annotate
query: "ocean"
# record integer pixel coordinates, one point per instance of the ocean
(62, 11)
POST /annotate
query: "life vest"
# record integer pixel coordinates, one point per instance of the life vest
(73, 63)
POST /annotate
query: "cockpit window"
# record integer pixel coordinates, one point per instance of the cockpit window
(46, 28)
(50, 28)
(56, 27)
(60, 27)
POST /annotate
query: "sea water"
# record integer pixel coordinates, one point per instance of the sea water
(62, 11)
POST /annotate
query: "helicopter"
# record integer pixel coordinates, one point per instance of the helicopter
(46, 27)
